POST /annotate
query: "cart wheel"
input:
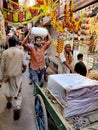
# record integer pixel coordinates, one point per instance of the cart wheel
(41, 115)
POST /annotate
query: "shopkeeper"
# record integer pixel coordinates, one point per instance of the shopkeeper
(66, 60)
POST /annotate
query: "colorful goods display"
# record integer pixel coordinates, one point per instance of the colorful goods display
(18, 14)
(71, 22)
(60, 44)
(2, 30)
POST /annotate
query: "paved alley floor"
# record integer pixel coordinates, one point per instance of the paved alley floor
(26, 121)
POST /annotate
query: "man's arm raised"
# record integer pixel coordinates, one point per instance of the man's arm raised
(26, 38)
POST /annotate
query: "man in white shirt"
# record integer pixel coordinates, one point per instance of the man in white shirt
(66, 60)
(12, 65)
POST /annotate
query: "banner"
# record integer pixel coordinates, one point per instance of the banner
(20, 17)
(19, 14)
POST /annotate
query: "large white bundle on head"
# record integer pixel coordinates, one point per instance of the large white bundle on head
(39, 31)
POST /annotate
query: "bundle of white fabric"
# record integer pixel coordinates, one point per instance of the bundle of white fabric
(78, 94)
(39, 31)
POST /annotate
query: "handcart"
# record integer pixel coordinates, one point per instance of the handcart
(47, 105)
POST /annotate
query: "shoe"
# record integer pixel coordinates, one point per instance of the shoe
(46, 78)
(9, 105)
(30, 83)
(41, 85)
(16, 114)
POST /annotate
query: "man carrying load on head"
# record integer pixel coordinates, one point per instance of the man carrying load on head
(37, 52)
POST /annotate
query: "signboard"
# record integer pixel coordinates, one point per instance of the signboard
(78, 4)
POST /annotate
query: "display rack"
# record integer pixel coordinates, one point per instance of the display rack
(93, 62)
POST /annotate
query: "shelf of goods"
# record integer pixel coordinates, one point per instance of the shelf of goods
(2, 33)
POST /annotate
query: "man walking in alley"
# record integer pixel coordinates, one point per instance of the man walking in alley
(12, 67)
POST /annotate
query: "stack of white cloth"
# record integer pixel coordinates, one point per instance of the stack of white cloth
(77, 93)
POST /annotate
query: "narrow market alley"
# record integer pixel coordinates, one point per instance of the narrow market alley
(60, 41)
(27, 118)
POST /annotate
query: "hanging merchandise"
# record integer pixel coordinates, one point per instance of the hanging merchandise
(58, 26)
(89, 27)
(18, 14)
(2, 34)
(15, 18)
(10, 16)
(40, 1)
(71, 22)
(2, 30)
(21, 16)
(60, 44)
(24, 14)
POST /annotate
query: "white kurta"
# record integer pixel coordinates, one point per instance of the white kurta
(12, 61)
(11, 68)
(63, 67)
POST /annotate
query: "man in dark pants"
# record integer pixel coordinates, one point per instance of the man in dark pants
(80, 66)
(37, 64)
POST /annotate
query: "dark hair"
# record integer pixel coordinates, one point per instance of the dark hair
(67, 45)
(46, 38)
(92, 38)
(79, 56)
(37, 37)
(12, 41)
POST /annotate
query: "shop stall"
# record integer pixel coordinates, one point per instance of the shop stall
(2, 33)
(87, 36)
(80, 23)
